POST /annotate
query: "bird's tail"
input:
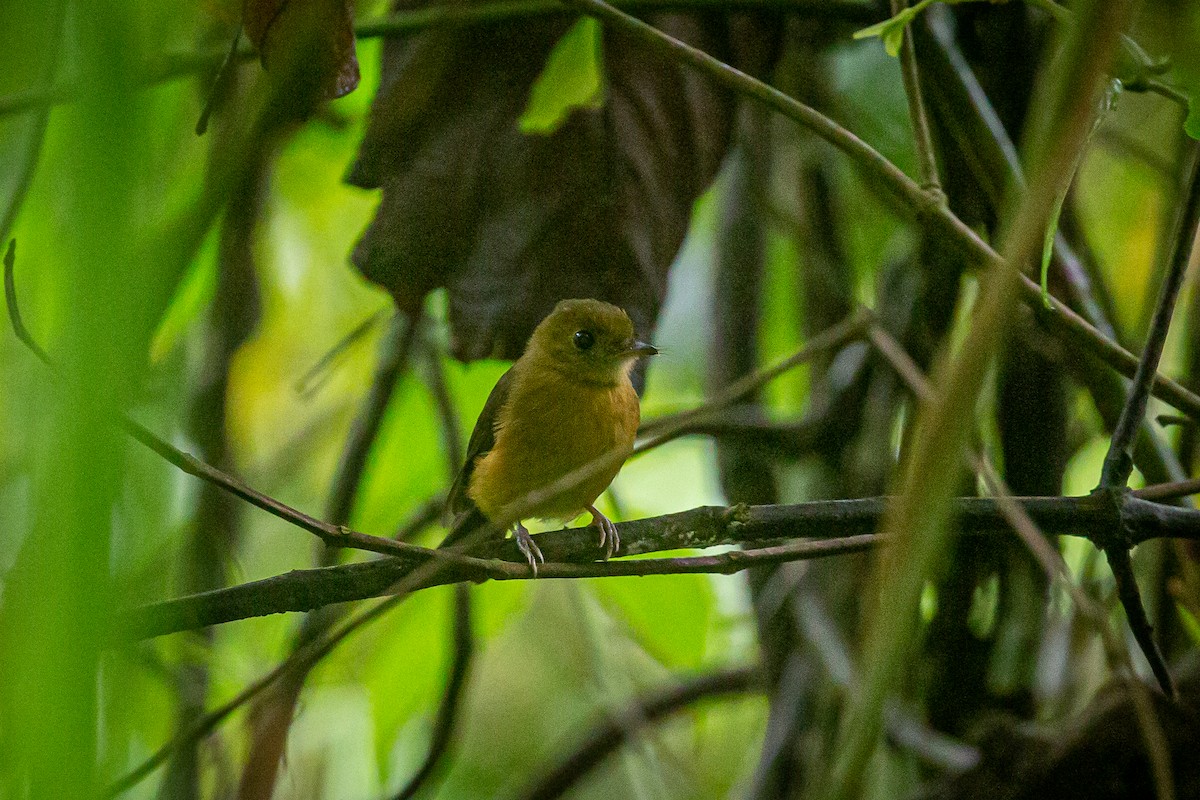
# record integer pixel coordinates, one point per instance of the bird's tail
(463, 526)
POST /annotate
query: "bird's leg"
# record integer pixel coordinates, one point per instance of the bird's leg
(532, 553)
(609, 538)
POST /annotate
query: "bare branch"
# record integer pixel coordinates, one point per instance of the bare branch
(922, 135)
(1118, 463)
(802, 531)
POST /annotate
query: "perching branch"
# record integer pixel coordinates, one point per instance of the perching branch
(661, 430)
(775, 534)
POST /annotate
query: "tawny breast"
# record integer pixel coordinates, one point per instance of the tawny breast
(547, 430)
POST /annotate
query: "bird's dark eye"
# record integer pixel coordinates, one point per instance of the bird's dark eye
(584, 340)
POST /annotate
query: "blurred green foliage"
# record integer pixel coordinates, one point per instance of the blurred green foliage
(104, 524)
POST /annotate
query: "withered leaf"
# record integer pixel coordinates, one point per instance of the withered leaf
(317, 34)
(511, 223)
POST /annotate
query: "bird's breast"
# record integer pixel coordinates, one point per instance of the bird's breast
(548, 429)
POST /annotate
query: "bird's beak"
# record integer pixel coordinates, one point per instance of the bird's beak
(639, 349)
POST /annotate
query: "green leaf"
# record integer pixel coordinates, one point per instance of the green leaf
(891, 31)
(878, 29)
(1191, 125)
(1048, 245)
(893, 39)
(572, 78)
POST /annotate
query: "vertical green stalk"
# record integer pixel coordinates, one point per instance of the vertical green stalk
(919, 519)
(57, 599)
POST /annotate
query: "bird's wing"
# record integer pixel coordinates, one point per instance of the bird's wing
(482, 440)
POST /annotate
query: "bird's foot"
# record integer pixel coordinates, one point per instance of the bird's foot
(610, 540)
(525, 543)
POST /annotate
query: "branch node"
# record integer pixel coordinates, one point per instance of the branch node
(736, 516)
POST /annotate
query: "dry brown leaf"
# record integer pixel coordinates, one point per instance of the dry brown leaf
(511, 223)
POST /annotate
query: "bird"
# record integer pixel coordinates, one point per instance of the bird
(566, 402)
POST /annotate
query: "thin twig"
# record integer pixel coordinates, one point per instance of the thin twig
(395, 353)
(1176, 96)
(221, 84)
(406, 22)
(274, 714)
(610, 734)
(452, 435)
(315, 376)
(14, 310)
(463, 635)
(786, 439)
(302, 658)
(1118, 463)
(425, 515)
(457, 15)
(332, 535)
(1169, 491)
(922, 134)
(658, 431)
(1135, 612)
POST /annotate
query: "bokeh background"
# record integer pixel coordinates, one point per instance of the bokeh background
(238, 329)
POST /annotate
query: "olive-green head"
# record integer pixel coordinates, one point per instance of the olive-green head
(587, 340)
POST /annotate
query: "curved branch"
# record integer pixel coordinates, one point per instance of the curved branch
(610, 734)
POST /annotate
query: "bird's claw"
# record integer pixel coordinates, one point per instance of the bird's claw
(528, 548)
(610, 540)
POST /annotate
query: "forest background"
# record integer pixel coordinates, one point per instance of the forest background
(224, 303)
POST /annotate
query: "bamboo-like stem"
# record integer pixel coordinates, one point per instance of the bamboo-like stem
(917, 115)
(919, 520)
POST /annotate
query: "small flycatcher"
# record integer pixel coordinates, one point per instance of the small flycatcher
(565, 403)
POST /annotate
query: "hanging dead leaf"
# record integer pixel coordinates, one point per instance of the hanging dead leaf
(511, 222)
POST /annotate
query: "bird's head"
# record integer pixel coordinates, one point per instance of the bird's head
(587, 340)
